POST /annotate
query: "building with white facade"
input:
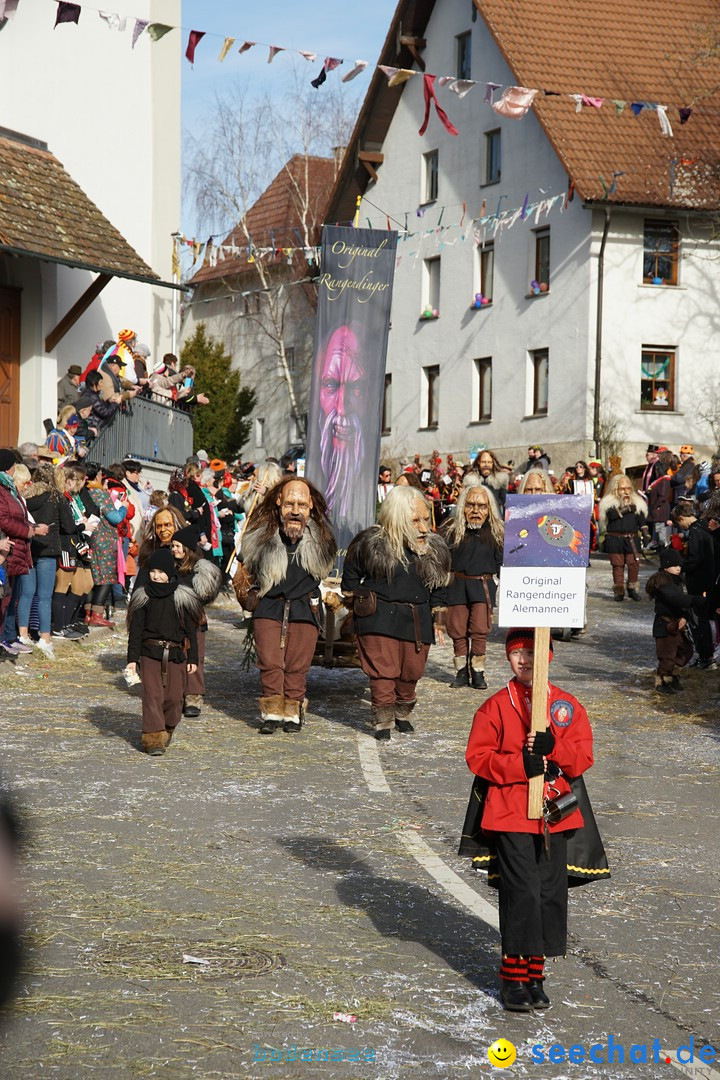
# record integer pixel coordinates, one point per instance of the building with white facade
(80, 96)
(627, 270)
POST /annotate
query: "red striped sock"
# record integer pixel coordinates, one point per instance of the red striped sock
(536, 965)
(514, 968)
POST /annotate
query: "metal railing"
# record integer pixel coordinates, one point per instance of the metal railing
(147, 431)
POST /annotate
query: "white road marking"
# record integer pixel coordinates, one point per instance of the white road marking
(370, 763)
(449, 880)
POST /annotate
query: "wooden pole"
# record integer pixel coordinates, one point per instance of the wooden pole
(236, 549)
(539, 720)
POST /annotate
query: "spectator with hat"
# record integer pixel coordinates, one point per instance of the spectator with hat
(61, 440)
(67, 387)
(102, 410)
(687, 464)
(113, 384)
(652, 470)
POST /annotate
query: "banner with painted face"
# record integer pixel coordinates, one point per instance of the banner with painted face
(348, 376)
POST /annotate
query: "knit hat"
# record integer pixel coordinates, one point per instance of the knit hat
(162, 560)
(670, 557)
(126, 335)
(84, 402)
(201, 455)
(594, 461)
(522, 638)
(74, 369)
(686, 449)
(7, 460)
(189, 536)
(142, 350)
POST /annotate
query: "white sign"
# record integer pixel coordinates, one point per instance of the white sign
(541, 596)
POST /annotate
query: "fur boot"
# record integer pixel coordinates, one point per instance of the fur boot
(619, 591)
(294, 715)
(154, 742)
(462, 676)
(632, 590)
(402, 711)
(663, 685)
(383, 718)
(192, 704)
(272, 712)
(477, 672)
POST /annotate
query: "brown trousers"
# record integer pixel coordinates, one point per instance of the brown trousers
(196, 682)
(472, 621)
(284, 672)
(672, 651)
(618, 563)
(161, 705)
(393, 667)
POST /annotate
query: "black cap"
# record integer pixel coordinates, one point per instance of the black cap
(189, 536)
(162, 559)
(669, 556)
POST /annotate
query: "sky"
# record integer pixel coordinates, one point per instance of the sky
(328, 27)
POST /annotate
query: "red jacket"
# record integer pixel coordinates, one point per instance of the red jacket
(494, 751)
(14, 523)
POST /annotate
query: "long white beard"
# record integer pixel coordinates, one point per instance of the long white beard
(341, 466)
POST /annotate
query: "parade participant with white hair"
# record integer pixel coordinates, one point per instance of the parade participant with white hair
(396, 573)
(536, 482)
(287, 549)
(475, 537)
(623, 514)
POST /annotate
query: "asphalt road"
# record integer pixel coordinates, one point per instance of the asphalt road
(191, 915)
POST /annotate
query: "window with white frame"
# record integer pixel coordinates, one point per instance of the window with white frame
(485, 261)
(463, 55)
(542, 257)
(660, 252)
(657, 378)
(492, 157)
(539, 371)
(432, 395)
(483, 389)
(430, 176)
(431, 285)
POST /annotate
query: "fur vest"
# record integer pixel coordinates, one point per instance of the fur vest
(267, 561)
(373, 554)
(187, 605)
(207, 581)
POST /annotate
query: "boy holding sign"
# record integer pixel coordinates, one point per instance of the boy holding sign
(530, 852)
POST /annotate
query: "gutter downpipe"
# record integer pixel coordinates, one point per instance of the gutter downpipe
(598, 333)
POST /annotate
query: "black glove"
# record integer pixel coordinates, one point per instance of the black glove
(544, 742)
(532, 763)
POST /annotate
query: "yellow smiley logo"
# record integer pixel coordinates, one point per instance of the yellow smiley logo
(501, 1054)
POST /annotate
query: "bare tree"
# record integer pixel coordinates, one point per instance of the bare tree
(249, 141)
(611, 437)
(706, 406)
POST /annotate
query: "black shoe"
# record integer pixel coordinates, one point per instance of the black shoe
(619, 598)
(383, 735)
(291, 726)
(703, 662)
(478, 680)
(80, 627)
(676, 685)
(515, 996)
(462, 678)
(268, 727)
(665, 688)
(68, 633)
(633, 594)
(539, 998)
(190, 710)
(405, 726)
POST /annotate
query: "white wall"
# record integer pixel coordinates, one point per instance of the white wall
(514, 324)
(111, 115)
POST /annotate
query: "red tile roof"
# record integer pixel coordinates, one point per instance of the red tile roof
(276, 215)
(661, 52)
(44, 213)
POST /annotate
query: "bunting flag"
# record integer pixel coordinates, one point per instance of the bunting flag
(312, 56)
(114, 22)
(8, 8)
(429, 94)
(158, 30)
(274, 50)
(515, 101)
(246, 45)
(360, 66)
(227, 46)
(140, 25)
(67, 13)
(194, 39)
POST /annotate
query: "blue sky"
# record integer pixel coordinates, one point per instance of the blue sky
(327, 27)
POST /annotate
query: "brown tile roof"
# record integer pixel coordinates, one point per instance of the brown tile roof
(275, 216)
(664, 51)
(44, 213)
(661, 51)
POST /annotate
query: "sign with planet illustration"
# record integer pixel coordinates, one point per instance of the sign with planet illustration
(545, 557)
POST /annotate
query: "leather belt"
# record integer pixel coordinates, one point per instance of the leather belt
(479, 577)
(166, 646)
(632, 537)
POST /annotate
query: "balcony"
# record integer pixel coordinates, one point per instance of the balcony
(147, 431)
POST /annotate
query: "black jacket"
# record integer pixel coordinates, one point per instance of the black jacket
(48, 508)
(700, 566)
(159, 619)
(475, 555)
(631, 521)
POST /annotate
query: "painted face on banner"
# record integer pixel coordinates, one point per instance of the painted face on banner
(342, 402)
